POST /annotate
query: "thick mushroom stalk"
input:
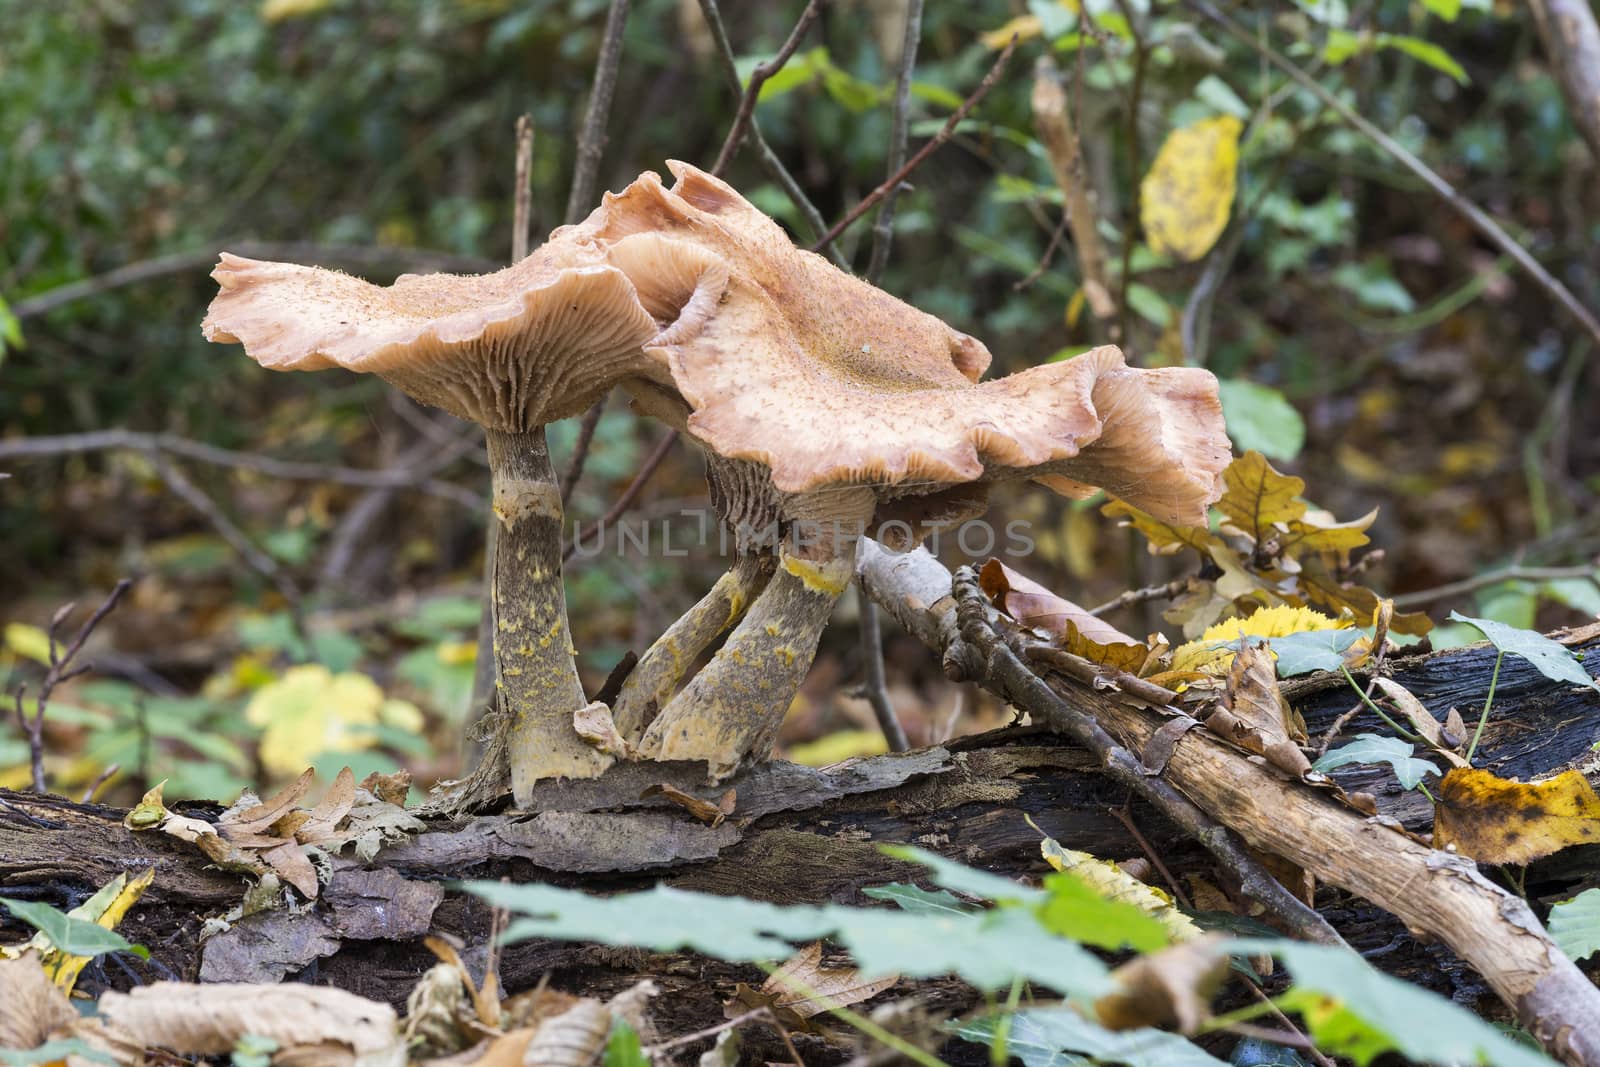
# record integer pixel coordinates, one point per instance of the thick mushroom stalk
(731, 711)
(664, 665)
(511, 351)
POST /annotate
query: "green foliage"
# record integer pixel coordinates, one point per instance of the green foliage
(56, 1051)
(1553, 660)
(1374, 748)
(252, 1050)
(919, 901)
(1575, 924)
(623, 1048)
(1312, 650)
(1073, 909)
(1261, 419)
(73, 936)
(1060, 1037)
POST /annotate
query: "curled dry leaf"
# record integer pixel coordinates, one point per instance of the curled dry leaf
(805, 986)
(389, 788)
(209, 1020)
(574, 1038)
(1494, 820)
(1171, 988)
(1072, 627)
(1420, 718)
(31, 1006)
(435, 1010)
(1254, 715)
(702, 809)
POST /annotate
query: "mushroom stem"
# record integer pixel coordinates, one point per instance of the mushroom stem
(733, 708)
(536, 681)
(660, 671)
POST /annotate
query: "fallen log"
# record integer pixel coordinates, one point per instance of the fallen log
(797, 835)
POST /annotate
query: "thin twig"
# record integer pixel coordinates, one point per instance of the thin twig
(1130, 218)
(883, 225)
(1046, 258)
(1505, 574)
(651, 462)
(99, 780)
(592, 139)
(769, 159)
(201, 258)
(737, 1020)
(1057, 130)
(1476, 216)
(758, 78)
(1123, 816)
(289, 470)
(257, 559)
(873, 686)
(60, 669)
(580, 449)
(944, 134)
(522, 193)
(1141, 596)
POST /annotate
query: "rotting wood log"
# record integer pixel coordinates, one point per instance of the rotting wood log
(798, 835)
(1442, 895)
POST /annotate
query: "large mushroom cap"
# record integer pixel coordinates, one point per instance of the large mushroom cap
(826, 380)
(511, 350)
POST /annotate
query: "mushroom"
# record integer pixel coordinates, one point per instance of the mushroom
(849, 404)
(511, 351)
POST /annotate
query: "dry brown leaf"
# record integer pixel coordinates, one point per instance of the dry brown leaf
(210, 1019)
(290, 861)
(507, 1050)
(1072, 627)
(434, 1010)
(1454, 733)
(700, 808)
(259, 818)
(1420, 718)
(1254, 715)
(389, 788)
(574, 1038)
(1494, 820)
(829, 987)
(30, 1004)
(325, 818)
(1171, 988)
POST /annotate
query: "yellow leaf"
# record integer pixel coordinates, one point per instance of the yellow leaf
(106, 908)
(1023, 28)
(1113, 883)
(28, 641)
(1281, 620)
(1258, 497)
(1165, 539)
(1494, 820)
(1187, 195)
(278, 10)
(457, 652)
(311, 710)
(836, 747)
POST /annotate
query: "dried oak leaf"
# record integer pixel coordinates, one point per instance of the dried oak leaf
(805, 986)
(1494, 820)
(1254, 715)
(31, 1006)
(1072, 627)
(1171, 988)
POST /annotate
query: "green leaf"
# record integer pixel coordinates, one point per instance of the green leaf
(1327, 12)
(1554, 661)
(964, 879)
(1261, 419)
(988, 949)
(917, 900)
(1575, 924)
(1374, 748)
(55, 1051)
(1075, 910)
(1372, 284)
(1056, 1037)
(10, 329)
(75, 937)
(1312, 650)
(623, 1048)
(1579, 594)
(1149, 304)
(1353, 1010)
(1425, 52)
(1220, 97)
(1445, 9)
(937, 95)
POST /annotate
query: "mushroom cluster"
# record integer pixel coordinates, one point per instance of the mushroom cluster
(826, 409)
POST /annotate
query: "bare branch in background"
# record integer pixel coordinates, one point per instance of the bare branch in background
(1424, 597)
(883, 226)
(1572, 41)
(522, 195)
(1476, 216)
(758, 78)
(204, 258)
(623, 502)
(592, 138)
(944, 134)
(59, 670)
(1053, 122)
(769, 159)
(289, 470)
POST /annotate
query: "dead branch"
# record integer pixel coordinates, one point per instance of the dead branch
(758, 78)
(1053, 123)
(945, 133)
(883, 225)
(592, 138)
(1572, 41)
(289, 470)
(58, 670)
(1439, 894)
